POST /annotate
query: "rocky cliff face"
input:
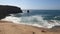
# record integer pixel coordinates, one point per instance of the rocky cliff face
(5, 10)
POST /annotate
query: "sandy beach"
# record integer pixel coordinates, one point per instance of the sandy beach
(12, 28)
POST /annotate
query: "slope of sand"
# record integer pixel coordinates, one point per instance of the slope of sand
(11, 28)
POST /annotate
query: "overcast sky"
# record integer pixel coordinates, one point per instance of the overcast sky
(33, 4)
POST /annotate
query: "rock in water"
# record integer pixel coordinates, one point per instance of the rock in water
(5, 10)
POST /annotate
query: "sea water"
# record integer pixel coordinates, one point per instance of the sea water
(38, 18)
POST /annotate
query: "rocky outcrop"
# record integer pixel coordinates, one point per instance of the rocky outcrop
(5, 10)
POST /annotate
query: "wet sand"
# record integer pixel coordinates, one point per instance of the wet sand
(11, 28)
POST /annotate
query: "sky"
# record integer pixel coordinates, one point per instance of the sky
(33, 4)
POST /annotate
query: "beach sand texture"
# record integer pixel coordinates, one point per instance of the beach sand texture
(11, 28)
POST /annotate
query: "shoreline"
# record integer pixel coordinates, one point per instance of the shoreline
(11, 28)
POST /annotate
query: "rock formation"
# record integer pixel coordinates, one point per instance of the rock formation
(5, 10)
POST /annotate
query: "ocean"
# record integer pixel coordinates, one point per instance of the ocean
(38, 18)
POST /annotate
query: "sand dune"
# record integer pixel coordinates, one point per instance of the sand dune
(11, 28)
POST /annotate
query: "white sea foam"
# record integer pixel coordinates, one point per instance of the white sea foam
(33, 20)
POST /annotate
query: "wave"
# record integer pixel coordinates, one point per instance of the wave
(36, 20)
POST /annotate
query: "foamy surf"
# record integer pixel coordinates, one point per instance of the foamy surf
(33, 21)
(36, 18)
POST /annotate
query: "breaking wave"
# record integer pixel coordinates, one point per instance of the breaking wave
(35, 20)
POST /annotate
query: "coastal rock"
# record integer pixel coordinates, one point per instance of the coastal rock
(5, 10)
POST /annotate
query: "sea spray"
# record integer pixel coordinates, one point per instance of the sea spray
(36, 18)
(32, 20)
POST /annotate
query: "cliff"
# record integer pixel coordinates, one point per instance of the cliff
(5, 10)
